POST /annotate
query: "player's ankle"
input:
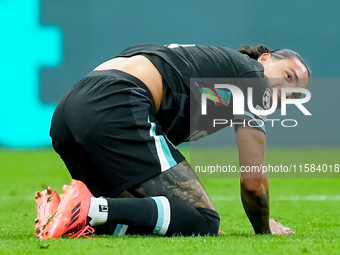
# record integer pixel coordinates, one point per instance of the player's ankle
(98, 211)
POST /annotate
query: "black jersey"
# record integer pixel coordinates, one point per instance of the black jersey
(183, 67)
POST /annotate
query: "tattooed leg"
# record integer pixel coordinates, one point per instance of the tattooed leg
(186, 207)
(179, 182)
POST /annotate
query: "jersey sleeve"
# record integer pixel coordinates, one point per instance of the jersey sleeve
(259, 97)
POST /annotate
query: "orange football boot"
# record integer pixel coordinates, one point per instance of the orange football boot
(46, 203)
(70, 218)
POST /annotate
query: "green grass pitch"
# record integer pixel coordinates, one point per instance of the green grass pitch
(310, 206)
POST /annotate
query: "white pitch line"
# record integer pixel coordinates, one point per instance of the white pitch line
(222, 198)
(284, 198)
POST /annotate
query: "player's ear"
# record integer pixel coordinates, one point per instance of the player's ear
(264, 58)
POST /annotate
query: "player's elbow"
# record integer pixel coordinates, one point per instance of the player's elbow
(254, 186)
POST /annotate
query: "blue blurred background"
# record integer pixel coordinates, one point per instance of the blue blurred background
(47, 46)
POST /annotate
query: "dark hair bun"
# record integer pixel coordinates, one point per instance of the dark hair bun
(254, 52)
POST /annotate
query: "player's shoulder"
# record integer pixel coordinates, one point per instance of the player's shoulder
(145, 47)
(248, 67)
(245, 66)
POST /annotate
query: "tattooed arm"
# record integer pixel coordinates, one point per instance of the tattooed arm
(254, 186)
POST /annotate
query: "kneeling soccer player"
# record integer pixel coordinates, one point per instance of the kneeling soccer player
(117, 128)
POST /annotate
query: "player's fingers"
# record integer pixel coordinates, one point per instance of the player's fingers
(283, 231)
(288, 231)
(220, 232)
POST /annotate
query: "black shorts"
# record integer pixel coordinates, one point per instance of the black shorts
(105, 131)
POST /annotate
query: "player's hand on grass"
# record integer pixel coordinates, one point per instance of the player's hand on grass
(278, 229)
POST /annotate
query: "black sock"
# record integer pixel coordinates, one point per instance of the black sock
(158, 215)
